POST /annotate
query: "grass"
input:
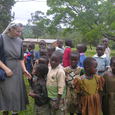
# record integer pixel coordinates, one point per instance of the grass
(30, 107)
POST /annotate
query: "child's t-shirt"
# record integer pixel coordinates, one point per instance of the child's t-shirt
(56, 82)
(81, 60)
(103, 63)
(66, 57)
(39, 87)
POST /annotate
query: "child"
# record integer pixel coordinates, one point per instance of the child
(109, 90)
(102, 60)
(81, 48)
(107, 49)
(56, 85)
(42, 44)
(89, 87)
(60, 47)
(50, 50)
(29, 58)
(67, 51)
(43, 52)
(39, 92)
(25, 51)
(71, 72)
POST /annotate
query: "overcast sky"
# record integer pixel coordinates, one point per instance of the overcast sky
(23, 10)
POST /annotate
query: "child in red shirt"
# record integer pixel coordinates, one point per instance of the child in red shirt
(67, 52)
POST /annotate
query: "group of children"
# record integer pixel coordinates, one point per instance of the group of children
(66, 81)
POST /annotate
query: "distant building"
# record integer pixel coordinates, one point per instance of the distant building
(36, 41)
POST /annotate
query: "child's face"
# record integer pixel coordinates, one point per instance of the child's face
(74, 60)
(92, 69)
(43, 61)
(34, 71)
(105, 42)
(60, 44)
(54, 61)
(79, 48)
(113, 66)
(24, 48)
(29, 48)
(42, 45)
(100, 50)
(50, 52)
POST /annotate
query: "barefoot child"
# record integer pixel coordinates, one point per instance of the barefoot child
(56, 85)
(89, 86)
(39, 92)
(71, 72)
(109, 90)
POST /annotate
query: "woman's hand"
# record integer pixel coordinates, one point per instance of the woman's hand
(8, 72)
(27, 74)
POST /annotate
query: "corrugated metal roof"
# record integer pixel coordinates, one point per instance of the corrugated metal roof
(38, 40)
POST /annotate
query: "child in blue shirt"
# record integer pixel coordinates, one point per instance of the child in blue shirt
(102, 60)
(81, 48)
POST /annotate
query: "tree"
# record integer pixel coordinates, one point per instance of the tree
(93, 18)
(39, 23)
(5, 13)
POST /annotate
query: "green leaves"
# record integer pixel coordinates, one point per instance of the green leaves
(5, 13)
(90, 17)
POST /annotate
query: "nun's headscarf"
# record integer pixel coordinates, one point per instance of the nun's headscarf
(12, 25)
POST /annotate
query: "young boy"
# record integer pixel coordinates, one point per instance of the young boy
(39, 92)
(60, 47)
(102, 60)
(50, 50)
(56, 85)
(72, 71)
(107, 49)
(81, 48)
(109, 90)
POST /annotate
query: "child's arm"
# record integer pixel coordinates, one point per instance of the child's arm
(107, 63)
(32, 94)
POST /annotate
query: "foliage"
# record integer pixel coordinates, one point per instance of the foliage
(39, 23)
(93, 18)
(5, 13)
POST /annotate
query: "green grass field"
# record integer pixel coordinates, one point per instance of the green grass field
(30, 107)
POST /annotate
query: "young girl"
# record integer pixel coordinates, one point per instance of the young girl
(39, 92)
(109, 90)
(67, 51)
(71, 72)
(89, 86)
(102, 60)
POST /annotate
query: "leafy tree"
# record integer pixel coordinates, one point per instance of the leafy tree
(39, 23)
(5, 13)
(93, 18)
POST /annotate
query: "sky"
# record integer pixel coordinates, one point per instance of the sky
(23, 10)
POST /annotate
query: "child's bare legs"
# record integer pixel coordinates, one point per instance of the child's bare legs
(71, 113)
(5, 112)
(14, 113)
(75, 114)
